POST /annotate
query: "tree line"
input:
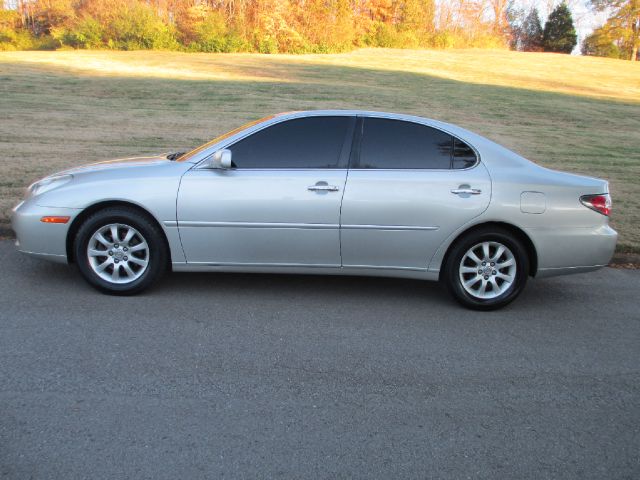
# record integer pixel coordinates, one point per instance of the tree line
(267, 26)
(292, 26)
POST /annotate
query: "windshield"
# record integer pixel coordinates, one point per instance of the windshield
(196, 151)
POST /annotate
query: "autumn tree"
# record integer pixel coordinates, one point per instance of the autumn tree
(49, 14)
(266, 26)
(500, 23)
(600, 43)
(417, 16)
(623, 24)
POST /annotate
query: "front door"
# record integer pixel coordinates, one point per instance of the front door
(280, 203)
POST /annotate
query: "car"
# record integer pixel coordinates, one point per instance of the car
(325, 192)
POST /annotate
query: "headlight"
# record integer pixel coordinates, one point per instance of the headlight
(48, 183)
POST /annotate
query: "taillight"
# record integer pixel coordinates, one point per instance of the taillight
(601, 203)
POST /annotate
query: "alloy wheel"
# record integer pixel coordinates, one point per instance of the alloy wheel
(487, 270)
(118, 253)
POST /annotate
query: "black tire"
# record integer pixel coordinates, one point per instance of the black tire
(451, 274)
(156, 255)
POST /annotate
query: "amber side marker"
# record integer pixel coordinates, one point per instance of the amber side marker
(55, 219)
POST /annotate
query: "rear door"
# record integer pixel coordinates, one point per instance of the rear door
(280, 203)
(409, 187)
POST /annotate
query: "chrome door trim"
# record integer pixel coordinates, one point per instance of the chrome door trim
(171, 223)
(385, 267)
(311, 226)
(387, 227)
(267, 265)
(201, 156)
(299, 265)
(354, 162)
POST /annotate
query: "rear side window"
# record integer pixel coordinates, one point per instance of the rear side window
(463, 155)
(396, 144)
(312, 142)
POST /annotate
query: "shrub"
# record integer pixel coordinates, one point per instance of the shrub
(86, 33)
(267, 44)
(210, 35)
(137, 27)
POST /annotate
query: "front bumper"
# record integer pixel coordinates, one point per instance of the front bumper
(45, 240)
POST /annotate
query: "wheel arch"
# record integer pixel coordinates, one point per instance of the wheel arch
(96, 207)
(532, 254)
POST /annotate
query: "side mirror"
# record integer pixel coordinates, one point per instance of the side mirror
(220, 159)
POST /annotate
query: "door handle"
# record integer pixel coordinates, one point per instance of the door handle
(323, 188)
(466, 191)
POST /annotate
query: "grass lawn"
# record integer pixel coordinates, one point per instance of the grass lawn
(60, 109)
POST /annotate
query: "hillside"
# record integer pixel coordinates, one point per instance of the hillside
(65, 108)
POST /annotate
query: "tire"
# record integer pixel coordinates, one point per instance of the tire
(482, 281)
(138, 252)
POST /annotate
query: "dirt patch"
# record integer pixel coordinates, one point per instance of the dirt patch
(625, 260)
(5, 232)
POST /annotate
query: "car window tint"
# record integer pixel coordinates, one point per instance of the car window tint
(463, 155)
(313, 142)
(390, 143)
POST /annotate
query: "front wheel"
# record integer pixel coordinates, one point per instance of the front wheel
(120, 251)
(487, 269)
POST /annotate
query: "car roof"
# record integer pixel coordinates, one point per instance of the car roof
(455, 130)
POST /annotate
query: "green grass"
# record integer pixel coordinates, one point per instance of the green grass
(60, 109)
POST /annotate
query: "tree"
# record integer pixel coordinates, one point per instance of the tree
(48, 14)
(515, 18)
(500, 20)
(623, 23)
(531, 35)
(601, 44)
(559, 33)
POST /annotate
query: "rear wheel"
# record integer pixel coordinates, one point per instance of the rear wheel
(487, 269)
(120, 251)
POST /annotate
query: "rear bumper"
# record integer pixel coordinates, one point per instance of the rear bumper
(43, 240)
(563, 251)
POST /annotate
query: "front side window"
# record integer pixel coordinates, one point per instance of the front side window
(396, 144)
(201, 148)
(312, 142)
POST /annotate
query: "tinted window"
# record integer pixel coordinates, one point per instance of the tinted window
(463, 155)
(398, 144)
(313, 142)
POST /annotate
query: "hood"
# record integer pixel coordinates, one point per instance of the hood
(117, 163)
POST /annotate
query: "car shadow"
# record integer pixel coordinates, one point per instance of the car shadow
(337, 287)
(325, 285)
(53, 278)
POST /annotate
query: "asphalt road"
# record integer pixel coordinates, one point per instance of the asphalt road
(238, 376)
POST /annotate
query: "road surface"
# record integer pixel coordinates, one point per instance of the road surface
(240, 376)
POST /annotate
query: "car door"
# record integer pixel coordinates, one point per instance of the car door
(409, 187)
(280, 202)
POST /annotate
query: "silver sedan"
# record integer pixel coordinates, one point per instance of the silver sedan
(325, 192)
